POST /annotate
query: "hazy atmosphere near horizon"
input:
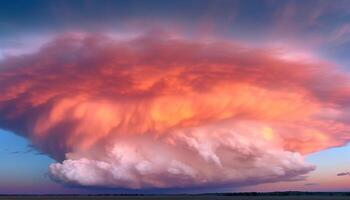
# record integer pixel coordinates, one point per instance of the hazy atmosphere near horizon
(182, 96)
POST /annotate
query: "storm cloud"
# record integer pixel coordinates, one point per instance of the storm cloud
(161, 111)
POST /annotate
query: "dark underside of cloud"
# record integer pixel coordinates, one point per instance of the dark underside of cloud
(344, 174)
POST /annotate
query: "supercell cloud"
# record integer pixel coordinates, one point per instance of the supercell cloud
(162, 111)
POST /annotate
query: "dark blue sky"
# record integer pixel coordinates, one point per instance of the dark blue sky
(312, 23)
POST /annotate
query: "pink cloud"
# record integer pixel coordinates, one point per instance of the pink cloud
(163, 111)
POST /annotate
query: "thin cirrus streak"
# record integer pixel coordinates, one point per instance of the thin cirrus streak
(159, 111)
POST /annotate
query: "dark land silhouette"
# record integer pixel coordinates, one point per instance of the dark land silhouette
(208, 196)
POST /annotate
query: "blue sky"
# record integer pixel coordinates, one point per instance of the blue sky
(21, 164)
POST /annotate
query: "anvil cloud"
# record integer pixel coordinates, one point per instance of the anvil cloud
(163, 111)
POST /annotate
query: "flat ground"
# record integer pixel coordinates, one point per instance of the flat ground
(308, 197)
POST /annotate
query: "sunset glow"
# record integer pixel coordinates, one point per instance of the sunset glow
(155, 107)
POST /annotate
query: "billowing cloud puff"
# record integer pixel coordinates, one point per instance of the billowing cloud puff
(162, 111)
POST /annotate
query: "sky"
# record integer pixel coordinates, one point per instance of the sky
(174, 96)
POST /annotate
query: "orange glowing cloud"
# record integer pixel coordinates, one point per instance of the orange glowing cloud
(164, 111)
